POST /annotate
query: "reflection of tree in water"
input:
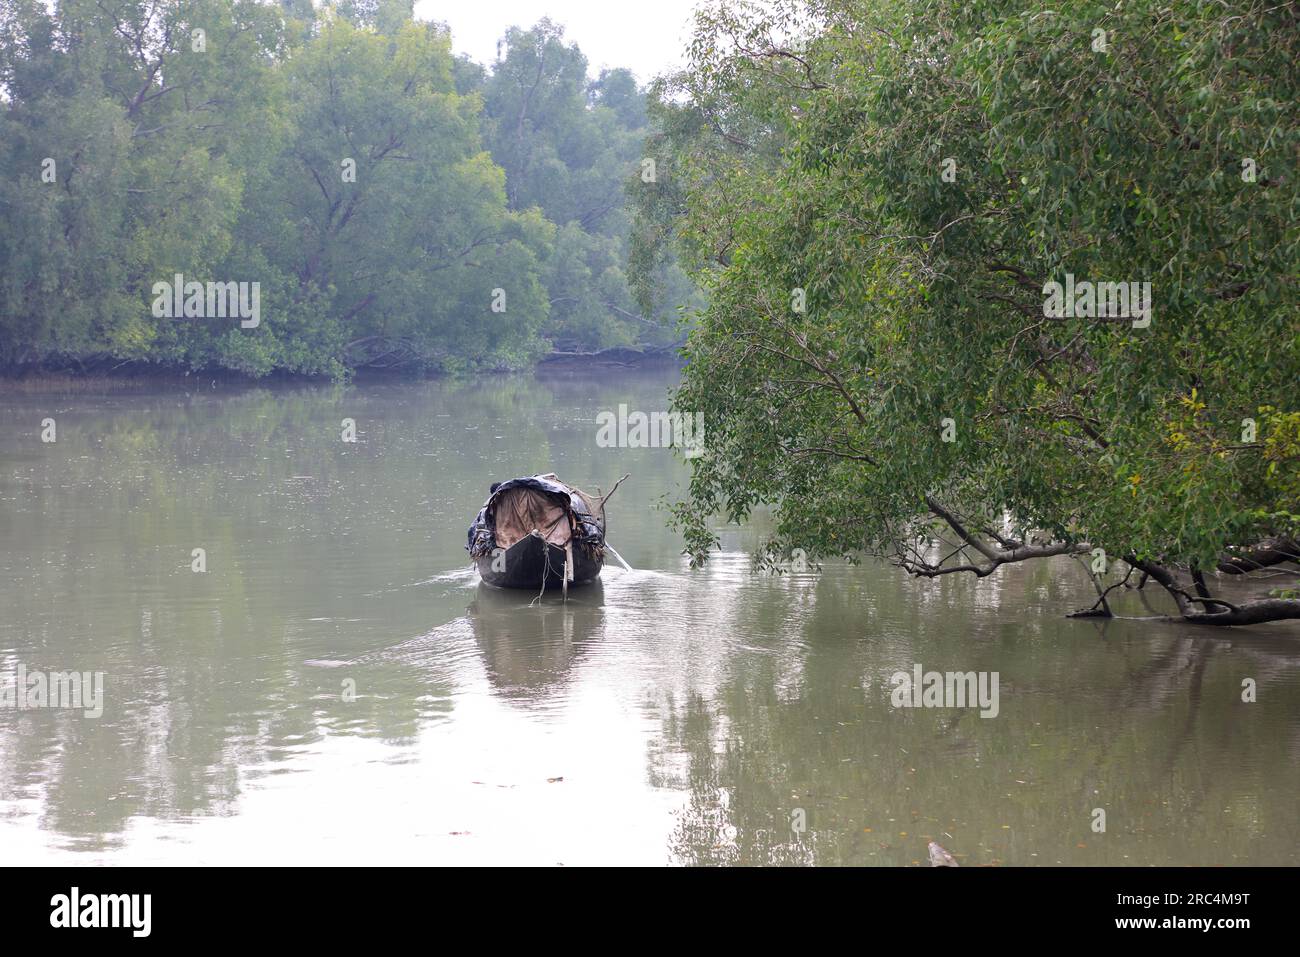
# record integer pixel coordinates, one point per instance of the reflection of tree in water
(179, 740)
(1151, 729)
(312, 548)
(529, 647)
(1170, 682)
(737, 811)
(205, 682)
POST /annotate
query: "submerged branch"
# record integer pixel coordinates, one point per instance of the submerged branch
(1252, 612)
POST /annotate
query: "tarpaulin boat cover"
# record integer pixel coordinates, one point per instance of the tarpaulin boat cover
(588, 529)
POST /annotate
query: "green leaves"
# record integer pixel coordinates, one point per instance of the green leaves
(379, 191)
(925, 294)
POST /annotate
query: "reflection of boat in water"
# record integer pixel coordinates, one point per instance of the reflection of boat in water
(528, 647)
(539, 533)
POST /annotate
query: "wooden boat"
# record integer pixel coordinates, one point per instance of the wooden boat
(538, 532)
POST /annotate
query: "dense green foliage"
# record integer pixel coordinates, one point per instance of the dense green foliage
(569, 148)
(914, 174)
(396, 205)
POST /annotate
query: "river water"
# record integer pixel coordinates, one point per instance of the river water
(337, 687)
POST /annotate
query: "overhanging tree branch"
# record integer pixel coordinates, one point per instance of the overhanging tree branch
(995, 556)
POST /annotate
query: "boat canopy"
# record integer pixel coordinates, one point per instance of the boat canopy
(543, 503)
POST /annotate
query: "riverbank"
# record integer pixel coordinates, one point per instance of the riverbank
(132, 377)
(621, 357)
(37, 382)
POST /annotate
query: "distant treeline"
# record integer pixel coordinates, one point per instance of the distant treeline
(259, 187)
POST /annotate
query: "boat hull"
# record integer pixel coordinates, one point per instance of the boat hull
(533, 563)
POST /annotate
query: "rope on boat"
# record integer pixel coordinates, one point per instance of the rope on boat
(546, 568)
(569, 564)
(569, 567)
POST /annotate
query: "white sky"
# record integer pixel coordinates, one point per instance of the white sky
(646, 36)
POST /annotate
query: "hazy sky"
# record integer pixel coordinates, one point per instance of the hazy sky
(646, 36)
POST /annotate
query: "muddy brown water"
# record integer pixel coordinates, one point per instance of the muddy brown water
(337, 687)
